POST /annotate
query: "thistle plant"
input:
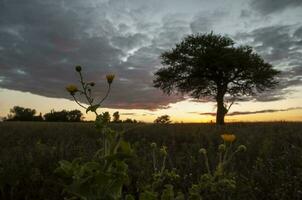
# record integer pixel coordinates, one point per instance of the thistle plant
(225, 153)
(162, 178)
(218, 183)
(86, 91)
(102, 177)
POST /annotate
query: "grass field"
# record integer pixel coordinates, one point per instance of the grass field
(271, 168)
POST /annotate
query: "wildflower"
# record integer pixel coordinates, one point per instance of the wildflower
(228, 137)
(202, 151)
(72, 89)
(110, 78)
(78, 68)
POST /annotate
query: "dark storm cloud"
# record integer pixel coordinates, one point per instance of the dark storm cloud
(205, 21)
(272, 6)
(235, 113)
(280, 45)
(42, 41)
(245, 13)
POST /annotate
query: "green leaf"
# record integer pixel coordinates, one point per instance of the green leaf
(92, 108)
(125, 147)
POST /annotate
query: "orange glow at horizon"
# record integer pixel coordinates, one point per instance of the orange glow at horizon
(185, 111)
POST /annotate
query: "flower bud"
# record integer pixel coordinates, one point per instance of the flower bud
(241, 148)
(222, 148)
(163, 151)
(78, 68)
(153, 145)
(203, 151)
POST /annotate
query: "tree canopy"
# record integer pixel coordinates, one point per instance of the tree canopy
(18, 113)
(164, 119)
(212, 66)
(64, 116)
(116, 117)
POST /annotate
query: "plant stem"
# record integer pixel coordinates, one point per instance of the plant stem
(106, 95)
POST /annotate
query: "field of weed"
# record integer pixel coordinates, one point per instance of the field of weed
(271, 167)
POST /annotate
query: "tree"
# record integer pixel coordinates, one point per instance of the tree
(64, 116)
(56, 116)
(106, 117)
(38, 118)
(18, 113)
(116, 117)
(128, 120)
(211, 66)
(75, 116)
(164, 119)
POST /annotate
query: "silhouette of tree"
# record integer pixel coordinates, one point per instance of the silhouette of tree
(116, 117)
(128, 120)
(56, 116)
(106, 117)
(164, 119)
(75, 116)
(18, 113)
(64, 116)
(211, 66)
(38, 118)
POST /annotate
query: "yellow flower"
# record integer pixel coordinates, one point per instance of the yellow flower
(228, 137)
(110, 78)
(72, 89)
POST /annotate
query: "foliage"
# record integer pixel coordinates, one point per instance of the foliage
(219, 183)
(211, 66)
(102, 177)
(164, 119)
(128, 120)
(271, 168)
(64, 116)
(116, 117)
(161, 177)
(18, 113)
(106, 117)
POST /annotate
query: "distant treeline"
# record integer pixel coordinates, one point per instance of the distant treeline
(18, 113)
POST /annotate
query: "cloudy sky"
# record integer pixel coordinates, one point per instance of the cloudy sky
(42, 40)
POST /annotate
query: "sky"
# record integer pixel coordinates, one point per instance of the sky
(42, 40)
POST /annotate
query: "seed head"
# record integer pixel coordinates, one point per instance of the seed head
(78, 68)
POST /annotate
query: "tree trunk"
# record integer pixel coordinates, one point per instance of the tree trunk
(221, 110)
